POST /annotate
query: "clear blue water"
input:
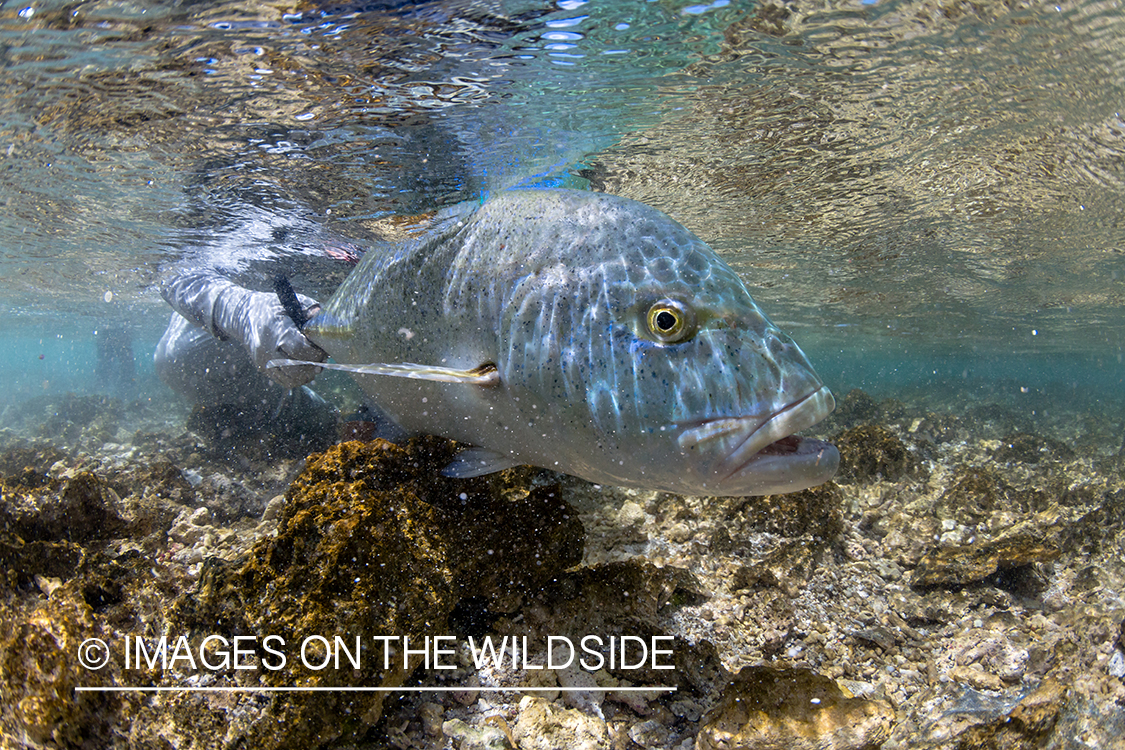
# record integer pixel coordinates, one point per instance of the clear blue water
(925, 196)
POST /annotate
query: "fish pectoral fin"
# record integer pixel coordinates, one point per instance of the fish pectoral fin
(484, 375)
(475, 462)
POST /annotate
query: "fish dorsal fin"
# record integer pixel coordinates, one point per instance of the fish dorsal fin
(343, 309)
(475, 462)
(483, 375)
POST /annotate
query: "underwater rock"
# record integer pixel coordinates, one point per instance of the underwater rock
(159, 478)
(83, 508)
(468, 737)
(373, 541)
(43, 637)
(978, 721)
(941, 428)
(630, 598)
(965, 564)
(21, 561)
(815, 512)
(229, 499)
(871, 451)
(39, 671)
(856, 408)
(28, 465)
(979, 495)
(640, 590)
(1096, 530)
(786, 567)
(997, 420)
(764, 708)
(649, 734)
(987, 526)
(152, 495)
(1031, 449)
(973, 493)
(545, 726)
(977, 679)
(72, 417)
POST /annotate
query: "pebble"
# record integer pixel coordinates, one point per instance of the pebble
(432, 714)
(1116, 665)
(468, 737)
(467, 696)
(649, 734)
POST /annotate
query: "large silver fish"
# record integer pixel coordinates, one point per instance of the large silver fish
(584, 333)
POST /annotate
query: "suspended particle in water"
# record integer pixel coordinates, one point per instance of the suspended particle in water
(40, 356)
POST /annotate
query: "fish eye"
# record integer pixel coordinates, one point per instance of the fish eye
(670, 321)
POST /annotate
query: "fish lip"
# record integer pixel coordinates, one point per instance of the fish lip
(753, 432)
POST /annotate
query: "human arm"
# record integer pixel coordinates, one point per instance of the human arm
(257, 320)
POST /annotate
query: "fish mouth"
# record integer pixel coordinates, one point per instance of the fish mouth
(754, 437)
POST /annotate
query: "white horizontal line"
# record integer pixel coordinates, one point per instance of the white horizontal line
(292, 689)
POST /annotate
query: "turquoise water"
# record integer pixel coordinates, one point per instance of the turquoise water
(926, 196)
